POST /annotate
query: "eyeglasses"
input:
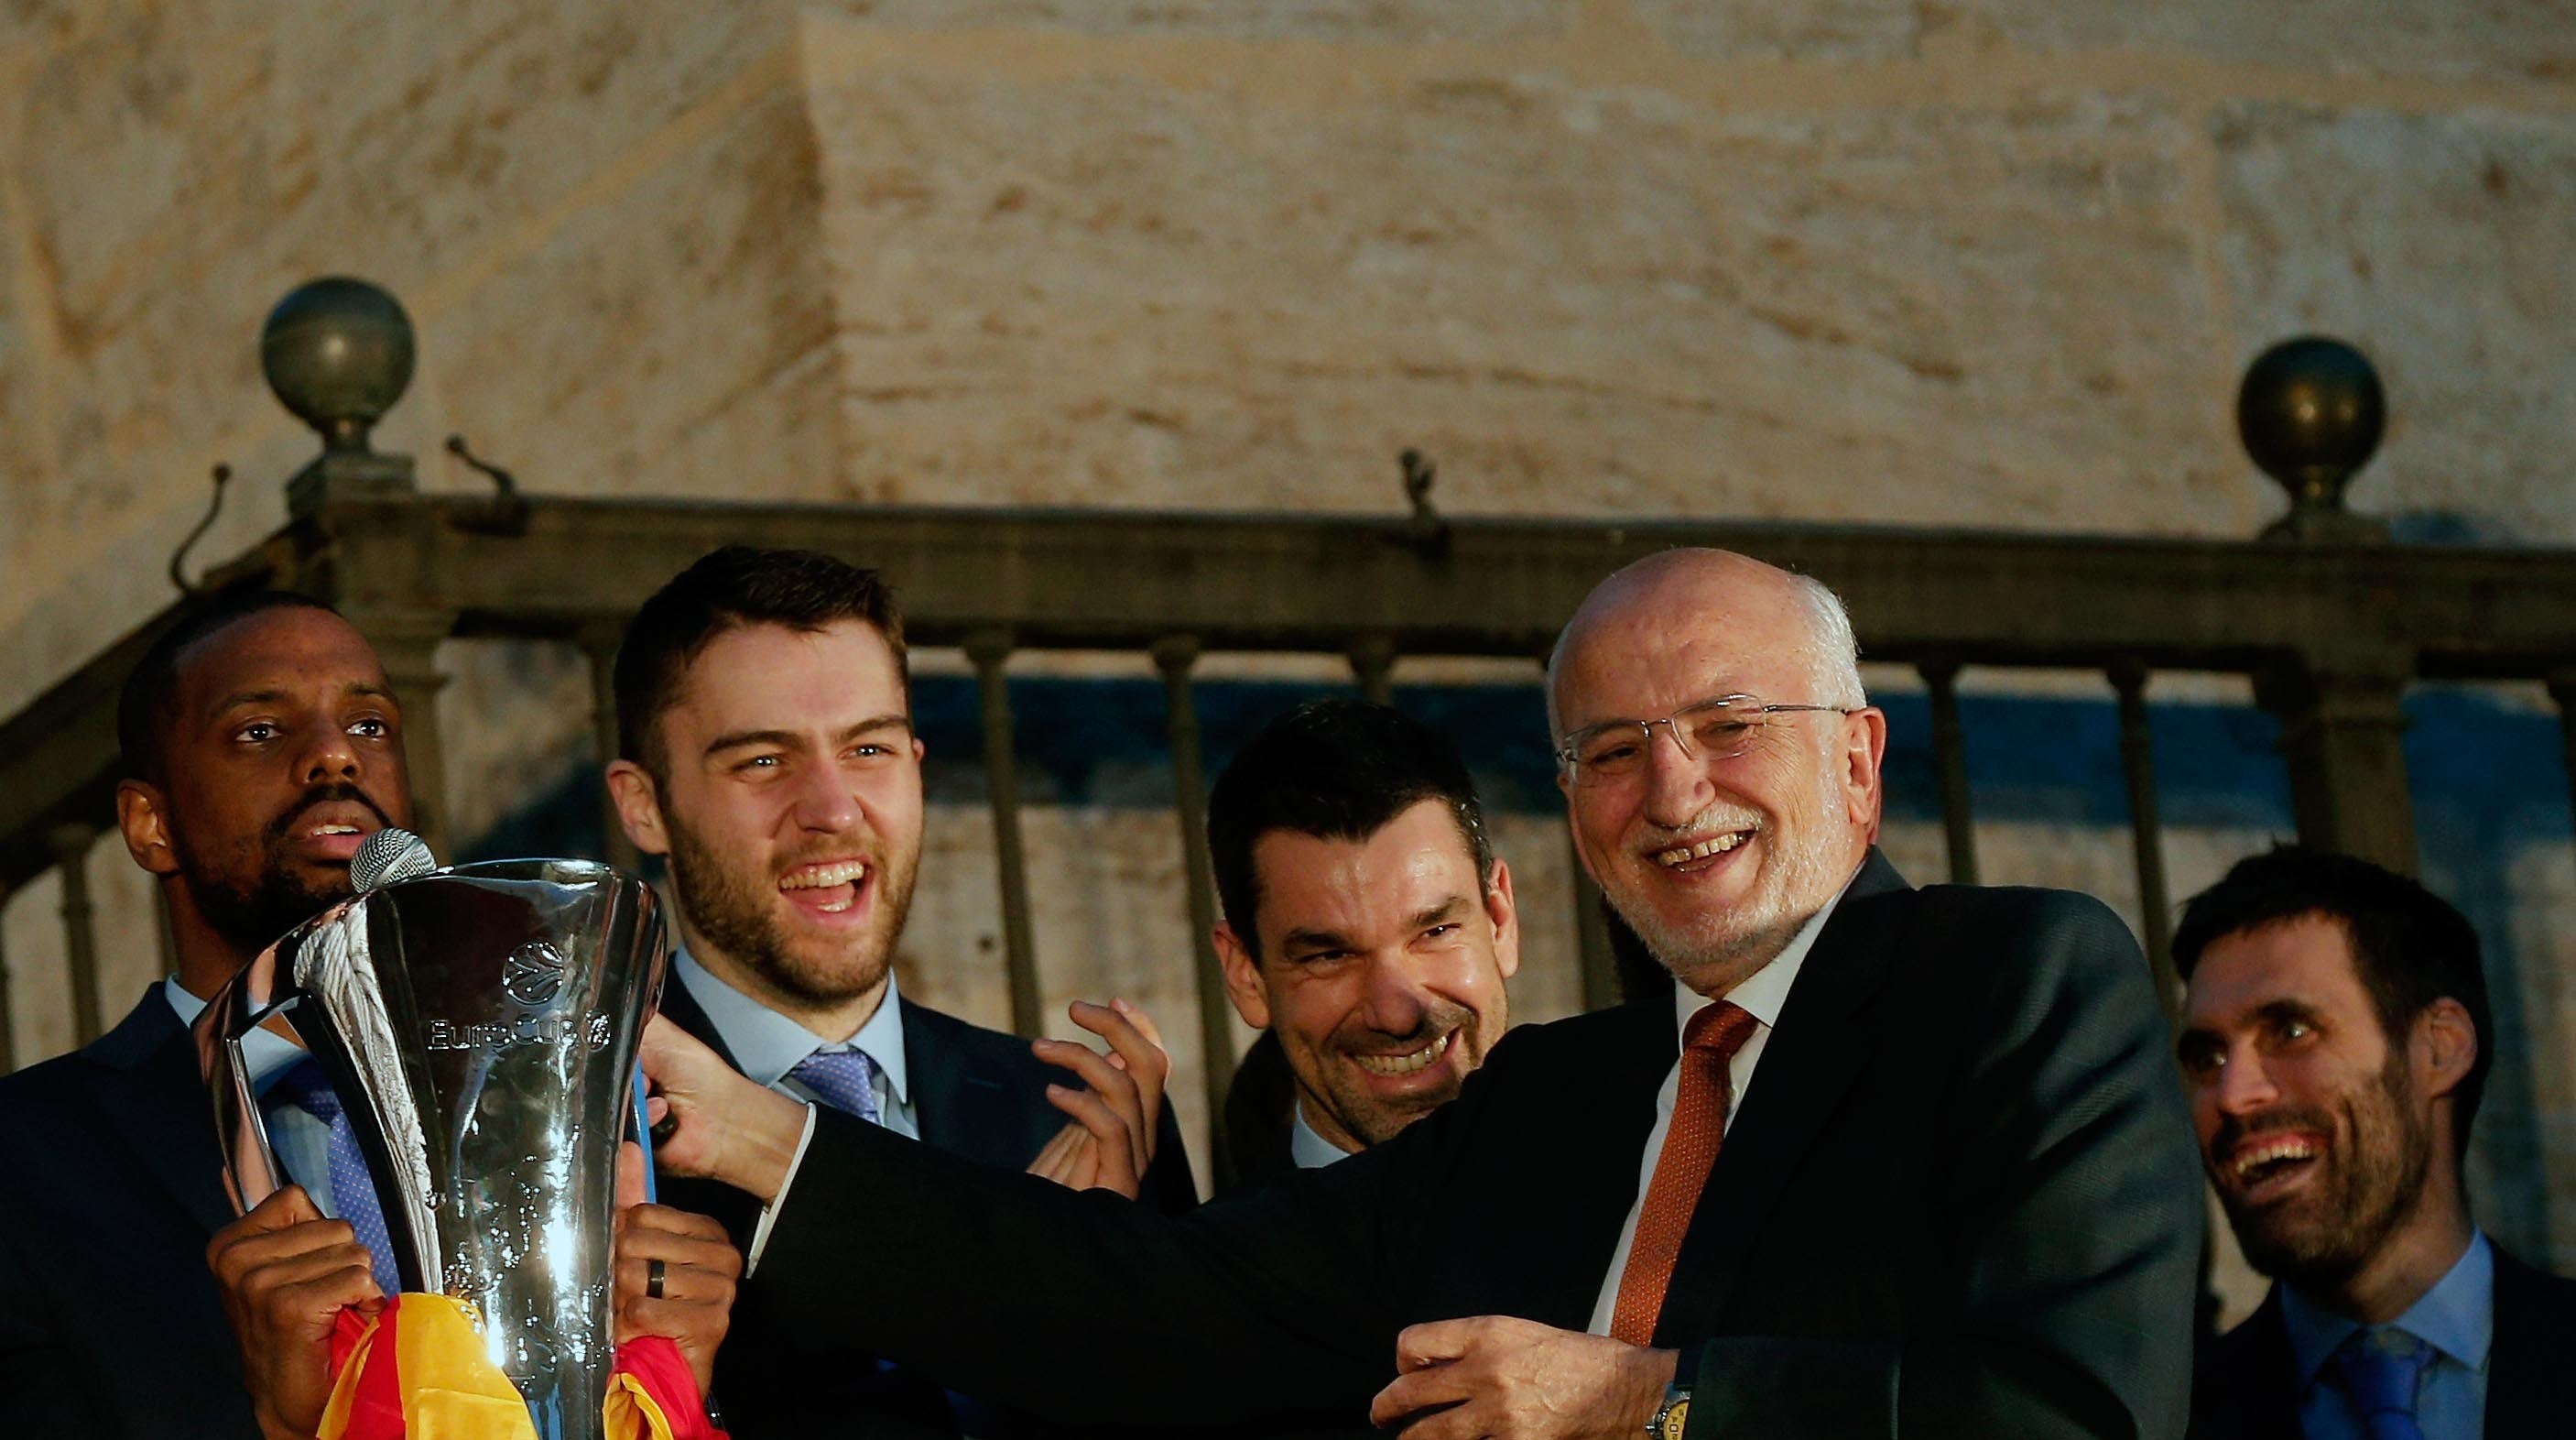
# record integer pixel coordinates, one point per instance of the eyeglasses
(1718, 729)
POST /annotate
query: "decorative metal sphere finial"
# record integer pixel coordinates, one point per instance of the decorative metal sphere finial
(2311, 413)
(338, 353)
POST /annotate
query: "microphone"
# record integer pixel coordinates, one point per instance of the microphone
(388, 856)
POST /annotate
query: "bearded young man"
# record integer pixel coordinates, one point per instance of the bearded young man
(2336, 1041)
(767, 748)
(1956, 1199)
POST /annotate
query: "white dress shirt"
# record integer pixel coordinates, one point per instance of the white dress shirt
(1760, 995)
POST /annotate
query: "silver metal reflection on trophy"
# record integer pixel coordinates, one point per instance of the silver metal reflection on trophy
(480, 1025)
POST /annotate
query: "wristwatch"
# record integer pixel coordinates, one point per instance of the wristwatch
(1673, 1416)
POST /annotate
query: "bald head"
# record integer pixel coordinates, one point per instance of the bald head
(1793, 619)
(1717, 837)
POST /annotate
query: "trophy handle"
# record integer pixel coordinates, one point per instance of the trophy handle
(251, 1172)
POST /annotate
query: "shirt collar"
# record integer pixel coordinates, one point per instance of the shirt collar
(2456, 1316)
(1762, 993)
(268, 1053)
(767, 1044)
(1308, 1148)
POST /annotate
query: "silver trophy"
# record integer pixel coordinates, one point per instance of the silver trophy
(480, 1025)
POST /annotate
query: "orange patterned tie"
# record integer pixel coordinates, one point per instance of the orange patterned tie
(1709, 1042)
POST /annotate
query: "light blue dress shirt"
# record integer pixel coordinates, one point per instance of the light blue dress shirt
(767, 1044)
(1308, 1148)
(2456, 1318)
(301, 1142)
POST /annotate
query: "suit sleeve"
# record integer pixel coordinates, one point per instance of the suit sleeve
(2075, 1196)
(1168, 1185)
(40, 1389)
(1274, 1310)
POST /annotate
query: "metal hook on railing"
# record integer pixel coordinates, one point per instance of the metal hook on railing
(507, 512)
(223, 473)
(1425, 530)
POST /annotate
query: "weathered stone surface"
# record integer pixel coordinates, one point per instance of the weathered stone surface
(1766, 29)
(700, 305)
(1364, 21)
(1575, 301)
(2445, 39)
(2441, 245)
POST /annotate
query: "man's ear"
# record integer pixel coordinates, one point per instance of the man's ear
(1242, 978)
(143, 818)
(639, 807)
(1505, 913)
(1864, 753)
(2445, 1046)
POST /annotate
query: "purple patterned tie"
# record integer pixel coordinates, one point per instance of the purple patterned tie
(842, 1079)
(2378, 1370)
(353, 1192)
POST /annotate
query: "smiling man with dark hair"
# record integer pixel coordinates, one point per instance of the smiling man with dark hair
(1368, 925)
(2336, 1039)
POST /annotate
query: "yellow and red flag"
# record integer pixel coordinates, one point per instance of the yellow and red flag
(418, 1370)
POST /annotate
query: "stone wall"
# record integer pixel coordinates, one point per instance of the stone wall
(1986, 262)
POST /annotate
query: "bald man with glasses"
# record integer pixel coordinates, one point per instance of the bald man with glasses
(1880, 1162)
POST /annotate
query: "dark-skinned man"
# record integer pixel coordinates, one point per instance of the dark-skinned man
(262, 745)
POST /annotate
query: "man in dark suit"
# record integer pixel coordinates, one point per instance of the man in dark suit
(2335, 1044)
(261, 745)
(1369, 928)
(1884, 1161)
(764, 718)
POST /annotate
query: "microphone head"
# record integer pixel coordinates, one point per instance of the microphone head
(387, 856)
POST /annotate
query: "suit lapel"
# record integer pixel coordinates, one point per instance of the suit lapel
(2534, 1333)
(684, 1011)
(1596, 1152)
(154, 1098)
(963, 1106)
(1807, 1066)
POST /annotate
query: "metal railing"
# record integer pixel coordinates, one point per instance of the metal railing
(2331, 620)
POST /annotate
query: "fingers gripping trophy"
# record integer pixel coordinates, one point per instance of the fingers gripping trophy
(479, 1025)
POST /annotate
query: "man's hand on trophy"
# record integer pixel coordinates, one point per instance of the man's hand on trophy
(709, 1121)
(1110, 1141)
(285, 1273)
(675, 1273)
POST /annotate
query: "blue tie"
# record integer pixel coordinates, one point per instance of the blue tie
(2377, 1370)
(353, 1191)
(842, 1079)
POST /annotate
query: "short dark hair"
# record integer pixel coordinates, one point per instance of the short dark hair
(2409, 946)
(724, 590)
(1336, 770)
(150, 699)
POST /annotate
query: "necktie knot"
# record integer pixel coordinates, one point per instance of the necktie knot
(1719, 1030)
(846, 1080)
(2377, 1369)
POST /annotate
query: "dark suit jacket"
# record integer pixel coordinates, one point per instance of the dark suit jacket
(1960, 1198)
(979, 1095)
(1259, 1143)
(2245, 1389)
(110, 1187)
